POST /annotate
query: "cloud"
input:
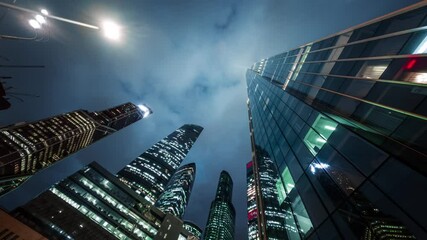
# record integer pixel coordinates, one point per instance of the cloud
(228, 20)
(187, 61)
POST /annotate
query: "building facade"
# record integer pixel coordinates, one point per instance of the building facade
(222, 215)
(265, 196)
(26, 148)
(149, 174)
(12, 229)
(177, 193)
(94, 204)
(193, 229)
(344, 121)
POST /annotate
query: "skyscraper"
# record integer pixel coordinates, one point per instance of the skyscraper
(344, 121)
(193, 229)
(222, 216)
(26, 148)
(149, 174)
(175, 198)
(267, 217)
(93, 204)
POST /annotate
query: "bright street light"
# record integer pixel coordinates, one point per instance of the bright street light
(111, 30)
(44, 12)
(40, 19)
(34, 24)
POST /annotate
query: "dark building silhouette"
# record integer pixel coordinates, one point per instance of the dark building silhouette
(344, 121)
(149, 174)
(4, 103)
(11, 228)
(26, 148)
(177, 193)
(222, 215)
(94, 204)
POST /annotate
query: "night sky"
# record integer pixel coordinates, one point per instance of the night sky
(185, 59)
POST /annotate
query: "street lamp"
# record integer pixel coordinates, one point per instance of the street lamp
(40, 19)
(44, 12)
(34, 24)
(110, 29)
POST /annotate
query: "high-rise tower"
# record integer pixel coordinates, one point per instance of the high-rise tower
(266, 216)
(175, 198)
(344, 121)
(26, 148)
(93, 204)
(193, 229)
(149, 174)
(221, 219)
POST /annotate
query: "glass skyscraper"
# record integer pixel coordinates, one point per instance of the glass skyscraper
(264, 184)
(344, 121)
(26, 148)
(149, 174)
(222, 216)
(94, 204)
(177, 193)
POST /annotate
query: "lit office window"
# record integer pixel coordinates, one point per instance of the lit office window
(373, 70)
(416, 77)
(317, 136)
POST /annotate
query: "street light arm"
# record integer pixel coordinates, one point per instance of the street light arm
(8, 37)
(14, 7)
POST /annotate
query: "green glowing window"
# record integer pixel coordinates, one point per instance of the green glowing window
(315, 140)
(281, 191)
(287, 178)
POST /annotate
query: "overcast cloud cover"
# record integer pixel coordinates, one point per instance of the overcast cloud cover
(185, 59)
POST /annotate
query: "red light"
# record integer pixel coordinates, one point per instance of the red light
(252, 214)
(249, 164)
(411, 64)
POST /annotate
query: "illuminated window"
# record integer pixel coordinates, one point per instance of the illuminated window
(317, 136)
(373, 70)
(416, 77)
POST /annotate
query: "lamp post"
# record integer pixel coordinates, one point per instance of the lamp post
(110, 29)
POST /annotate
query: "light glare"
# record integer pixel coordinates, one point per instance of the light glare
(111, 30)
(422, 47)
(44, 11)
(34, 24)
(330, 128)
(321, 165)
(145, 109)
(40, 19)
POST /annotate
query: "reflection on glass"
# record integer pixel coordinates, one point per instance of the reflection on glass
(362, 218)
(422, 47)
